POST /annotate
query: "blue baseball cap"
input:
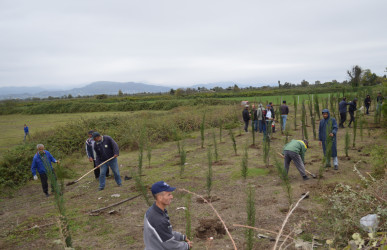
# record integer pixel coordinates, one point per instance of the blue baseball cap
(161, 186)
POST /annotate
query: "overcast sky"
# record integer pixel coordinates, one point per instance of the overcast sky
(178, 42)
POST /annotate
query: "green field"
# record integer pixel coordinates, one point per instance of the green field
(12, 125)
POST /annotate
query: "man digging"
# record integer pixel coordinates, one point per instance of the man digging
(105, 148)
(158, 232)
(295, 150)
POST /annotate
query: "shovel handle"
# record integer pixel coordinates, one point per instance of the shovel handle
(95, 168)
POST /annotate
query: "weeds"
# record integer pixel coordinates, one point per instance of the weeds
(295, 112)
(141, 187)
(303, 120)
(149, 153)
(266, 151)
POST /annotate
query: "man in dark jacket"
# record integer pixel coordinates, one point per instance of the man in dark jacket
(367, 103)
(91, 154)
(351, 110)
(158, 232)
(246, 117)
(105, 148)
(379, 101)
(284, 114)
(295, 150)
(343, 111)
(328, 128)
(254, 119)
(42, 163)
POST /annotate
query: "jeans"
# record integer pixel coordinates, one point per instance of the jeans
(352, 115)
(255, 125)
(284, 117)
(378, 106)
(98, 171)
(261, 126)
(25, 135)
(113, 164)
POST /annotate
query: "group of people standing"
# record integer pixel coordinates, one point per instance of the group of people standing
(102, 150)
(353, 107)
(263, 119)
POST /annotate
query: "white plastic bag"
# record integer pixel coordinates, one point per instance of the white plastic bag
(369, 223)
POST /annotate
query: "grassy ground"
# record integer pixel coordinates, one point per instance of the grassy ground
(28, 207)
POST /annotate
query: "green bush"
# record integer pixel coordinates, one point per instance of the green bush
(70, 138)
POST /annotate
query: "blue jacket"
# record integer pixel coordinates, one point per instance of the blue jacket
(343, 106)
(322, 133)
(37, 163)
(352, 107)
(25, 129)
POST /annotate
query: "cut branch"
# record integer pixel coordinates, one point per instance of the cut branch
(286, 219)
(115, 204)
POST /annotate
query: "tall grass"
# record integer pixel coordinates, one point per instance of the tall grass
(216, 154)
(355, 129)
(141, 152)
(295, 112)
(209, 173)
(312, 117)
(250, 210)
(183, 157)
(141, 187)
(244, 164)
(303, 120)
(220, 130)
(317, 106)
(232, 136)
(59, 202)
(202, 125)
(328, 148)
(266, 152)
(149, 153)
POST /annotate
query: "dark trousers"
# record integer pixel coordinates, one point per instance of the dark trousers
(343, 118)
(367, 107)
(289, 156)
(246, 125)
(98, 171)
(352, 114)
(43, 180)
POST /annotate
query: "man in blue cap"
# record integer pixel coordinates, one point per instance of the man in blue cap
(158, 232)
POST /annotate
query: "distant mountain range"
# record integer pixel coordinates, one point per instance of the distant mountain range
(98, 88)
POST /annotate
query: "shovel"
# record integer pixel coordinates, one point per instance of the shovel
(313, 175)
(73, 182)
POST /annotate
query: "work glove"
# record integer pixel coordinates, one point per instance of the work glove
(35, 177)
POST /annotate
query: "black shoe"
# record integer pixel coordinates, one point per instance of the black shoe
(127, 178)
(336, 167)
(47, 195)
(100, 189)
(349, 126)
(305, 178)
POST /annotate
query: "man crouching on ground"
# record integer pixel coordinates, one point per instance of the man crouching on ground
(158, 232)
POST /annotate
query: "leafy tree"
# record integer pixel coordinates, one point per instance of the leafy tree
(368, 78)
(304, 83)
(120, 93)
(355, 75)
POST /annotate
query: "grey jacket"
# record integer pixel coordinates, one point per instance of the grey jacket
(158, 232)
(259, 112)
